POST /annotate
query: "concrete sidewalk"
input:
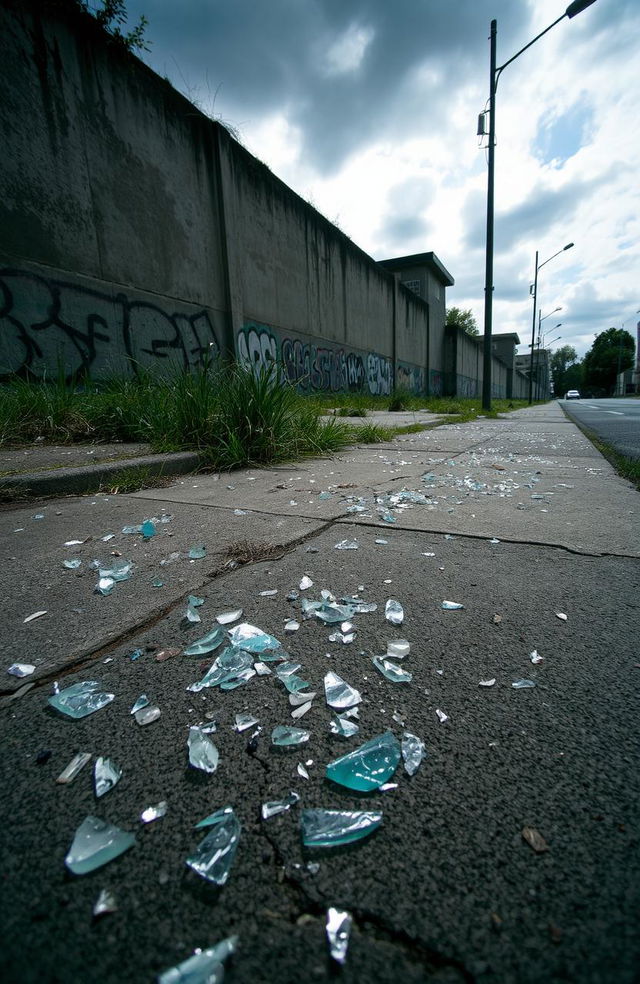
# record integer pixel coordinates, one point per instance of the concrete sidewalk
(518, 519)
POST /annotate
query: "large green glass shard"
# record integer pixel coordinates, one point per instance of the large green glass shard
(80, 699)
(204, 967)
(207, 643)
(369, 766)
(332, 613)
(338, 693)
(331, 828)
(254, 640)
(282, 735)
(391, 670)
(105, 775)
(214, 856)
(412, 752)
(295, 683)
(203, 754)
(95, 843)
(118, 569)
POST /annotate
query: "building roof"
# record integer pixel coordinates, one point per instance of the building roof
(429, 260)
(512, 335)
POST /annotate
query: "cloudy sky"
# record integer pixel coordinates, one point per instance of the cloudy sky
(368, 109)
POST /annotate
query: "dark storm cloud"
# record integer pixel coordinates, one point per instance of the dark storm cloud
(274, 56)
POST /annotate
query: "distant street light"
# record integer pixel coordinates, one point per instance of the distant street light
(538, 267)
(494, 74)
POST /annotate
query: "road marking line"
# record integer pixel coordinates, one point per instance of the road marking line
(618, 413)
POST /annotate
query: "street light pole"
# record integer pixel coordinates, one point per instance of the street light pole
(494, 74)
(535, 298)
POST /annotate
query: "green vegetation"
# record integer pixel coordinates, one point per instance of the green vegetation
(612, 352)
(628, 468)
(457, 318)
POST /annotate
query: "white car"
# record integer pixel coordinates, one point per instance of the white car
(572, 395)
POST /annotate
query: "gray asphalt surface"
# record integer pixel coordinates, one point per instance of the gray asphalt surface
(616, 421)
(447, 890)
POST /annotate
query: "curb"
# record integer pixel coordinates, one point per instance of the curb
(66, 481)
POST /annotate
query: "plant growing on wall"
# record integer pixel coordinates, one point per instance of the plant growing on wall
(112, 16)
(462, 319)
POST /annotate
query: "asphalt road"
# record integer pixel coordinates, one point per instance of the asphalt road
(615, 421)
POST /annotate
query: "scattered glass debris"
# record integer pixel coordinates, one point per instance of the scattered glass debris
(73, 564)
(493, 540)
(269, 593)
(147, 715)
(77, 762)
(291, 625)
(105, 586)
(80, 699)
(154, 812)
(442, 717)
(244, 721)
(31, 618)
(346, 545)
(339, 694)
(391, 670)
(157, 583)
(21, 669)
(207, 643)
(227, 617)
(344, 638)
(104, 904)
(192, 615)
(274, 807)
(301, 710)
(148, 529)
(96, 843)
(368, 767)
(394, 612)
(117, 570)
(302, 771)
(239, 512)
(332, 828)
(535, 839)
(284, 736)
(254, 640)
(105, 775)
(197, 552)
(380, 540)
(136, 654)
(214, 856)
(535, 658)
(562, 616)
(204, 967)
(522, 684)
(305, 583)
(261, 669)
(487, 683)
(203, 754)
(413, 752)
(341, 725)
(297, 697)
(398, 648)
(451, 606)
(338, 930)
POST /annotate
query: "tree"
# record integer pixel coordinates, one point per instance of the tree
(456, 318)
(566, 370)
(611, 353)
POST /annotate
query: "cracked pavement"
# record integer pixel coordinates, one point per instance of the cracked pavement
(447, 889)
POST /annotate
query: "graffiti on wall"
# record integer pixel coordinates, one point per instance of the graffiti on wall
(314, 368)
(436, 383)
(410, 378)
(46, 323)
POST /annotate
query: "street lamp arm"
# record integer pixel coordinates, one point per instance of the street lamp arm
(537, 38)
(568, 246)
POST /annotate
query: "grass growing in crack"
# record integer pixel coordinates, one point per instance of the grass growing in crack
(372, 434)
(628, 468)
(133, 479)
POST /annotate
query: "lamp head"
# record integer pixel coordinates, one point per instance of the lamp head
(577, 7)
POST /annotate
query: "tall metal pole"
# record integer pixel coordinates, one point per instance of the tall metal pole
(533, 330)
(488, 277)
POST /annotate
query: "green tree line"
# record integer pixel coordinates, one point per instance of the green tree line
(612, 352)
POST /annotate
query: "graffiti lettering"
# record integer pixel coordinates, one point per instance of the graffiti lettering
(410, 378)
(46, 324)
(256, 347)
(379, 375)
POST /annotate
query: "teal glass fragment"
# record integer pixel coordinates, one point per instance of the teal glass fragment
(214, 856)
(369, 766)
(198, 552)
(332, 828)
(244, 721)
(118, 569)
(136, 654)
(207, 643)
(147, 715)
(451, 606)
(132, 529)
(80, 699)
(72, 564)
(105, 775)
(157, 583)
(284, 669)
(389, 517)
(238, 679)
(274, 807)
(295, 683)
(339, 694)
(394, 612)
(231, 664)
(522, 684)
(203, 754)
(96, 843)
(359, 606)
(413, 752)
(285, 736)
(194, 601)
(216, 817)
(204, 967)
(254, 640)
(148, 529)
(191, 614)
(343, 726)
(331, 612)
(105, 586)
(391, 670)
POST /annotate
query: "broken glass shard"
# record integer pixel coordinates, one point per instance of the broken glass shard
(254, 640)
(399, 648)
(73, 564)
(203, 754)
(302, 771)
(194, 601)
(338, 930)
(269, 593)
(21, 669)
(487, 683)
(451, 606)
(214, 856)
(148, 529)
(226, 618)
(132, 529)
(157, 583)
(301, 710)
(261, 669)
(562, 616)
(331, 828)
(204, 967)
(197, 552)
(305, 583)
(344, 638)
(535, 839)
(535, 658)
(291, 625)
(295, 683)
(341, 725)
(413, 752)
(338, 693)
(239, 512)
(147, 715)
(31, 618)
(207, 643)
(296, 698)
(231, 665)
(369, 766)
(346, 545)
(394, 612)
(105, 586)
(330, 613)
(96, 843)
(522, 684)
(104, 904)
(192, 615)
(285, 736)
(274, 807)
(391, 670)
(117, 570)
(442, 717)
(136, 654)
(214, 818)
(77, 762)
(380, 540)
(105, 775)
(244, 721)
(80, 699)
(154, 812)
